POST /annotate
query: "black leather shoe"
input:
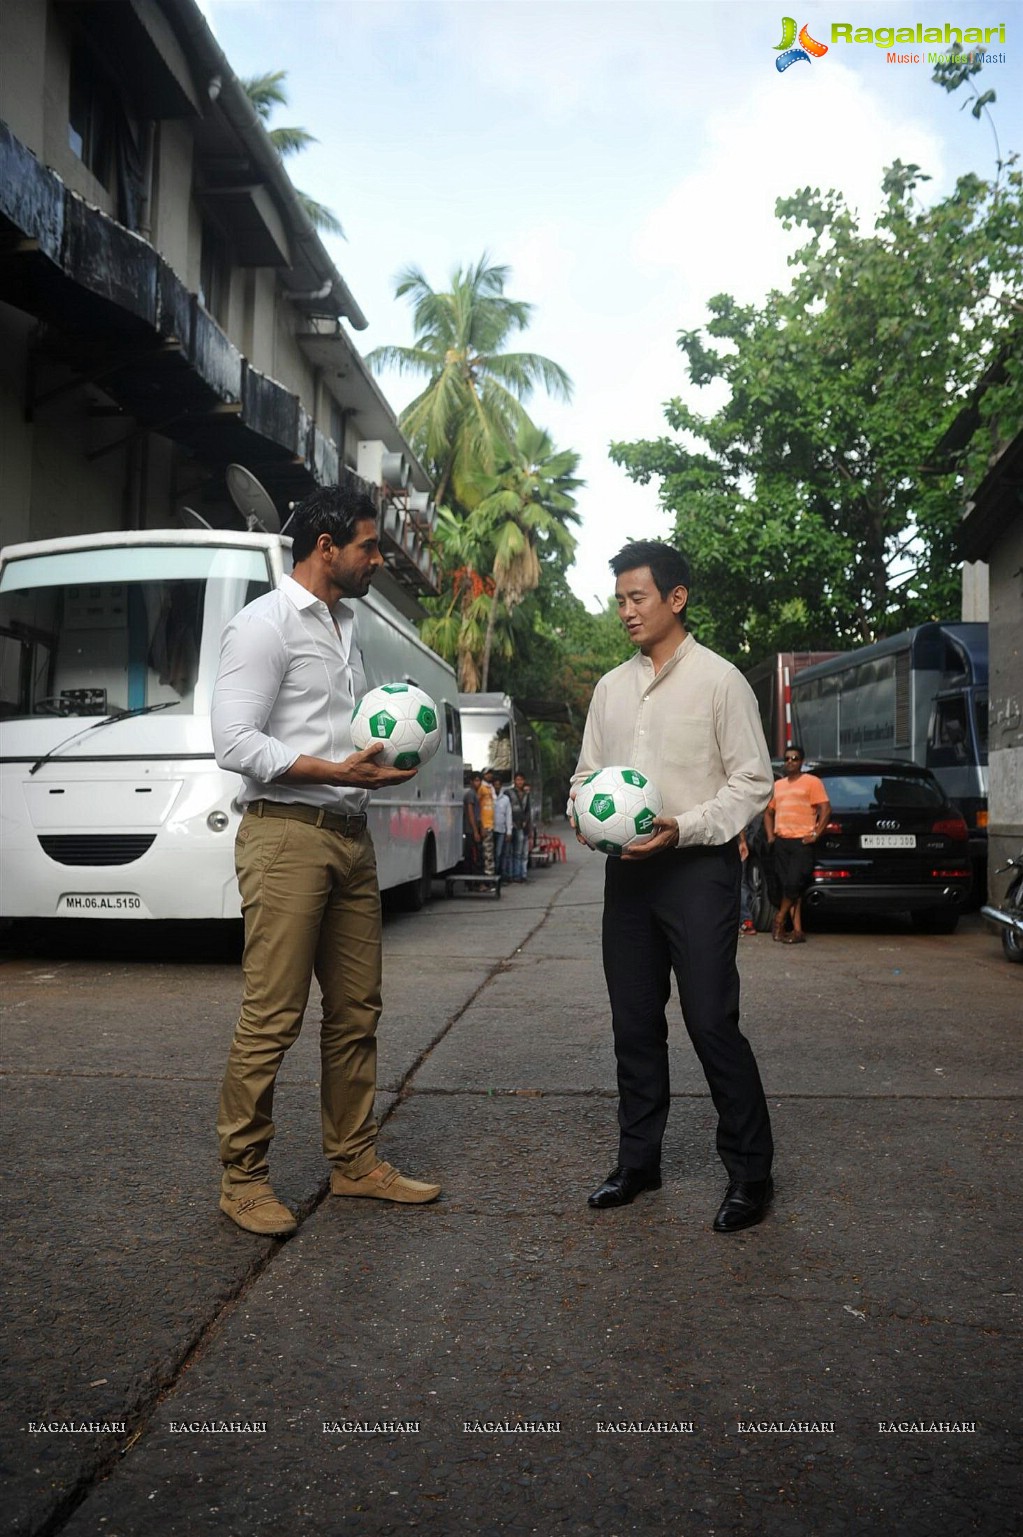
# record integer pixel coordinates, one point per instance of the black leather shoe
(746, 1202)
(623, 1185)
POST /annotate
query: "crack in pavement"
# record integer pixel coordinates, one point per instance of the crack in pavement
(142, 1411)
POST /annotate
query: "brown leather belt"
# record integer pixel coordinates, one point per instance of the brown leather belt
(350, 823)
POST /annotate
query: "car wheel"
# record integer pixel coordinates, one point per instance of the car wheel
(763, 909)
(934, 920)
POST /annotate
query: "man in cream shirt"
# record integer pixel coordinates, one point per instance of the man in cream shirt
(688, 720)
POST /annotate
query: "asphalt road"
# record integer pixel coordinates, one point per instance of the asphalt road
(848, 1367)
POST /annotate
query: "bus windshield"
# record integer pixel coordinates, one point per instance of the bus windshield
(486, 739)
(93, 631)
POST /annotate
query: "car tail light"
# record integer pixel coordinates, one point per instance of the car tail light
(832, 875)
(960, 874)
(981, 818)
(833, 827)
(953, 828)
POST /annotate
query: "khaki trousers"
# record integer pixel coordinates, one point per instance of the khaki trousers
(311, 905)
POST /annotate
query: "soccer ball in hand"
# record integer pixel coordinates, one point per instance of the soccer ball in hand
(404, 719)
(615, 807)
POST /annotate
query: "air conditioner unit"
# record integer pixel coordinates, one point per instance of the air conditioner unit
(396, 470)
(369, 461)
(422, 509)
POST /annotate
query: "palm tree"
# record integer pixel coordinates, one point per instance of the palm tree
(471, 407)
(460, 621)
(266, 92)
(524, 509)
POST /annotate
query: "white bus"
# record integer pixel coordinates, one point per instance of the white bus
(111, 801)
(497, 735)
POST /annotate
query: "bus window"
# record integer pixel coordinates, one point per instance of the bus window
(949, 737)
(452, 730)
(88, 632)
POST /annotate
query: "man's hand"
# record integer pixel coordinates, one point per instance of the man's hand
(665, 837)
(570, 813)
(361, 772)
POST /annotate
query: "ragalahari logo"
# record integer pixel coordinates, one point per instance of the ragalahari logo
(808, 45)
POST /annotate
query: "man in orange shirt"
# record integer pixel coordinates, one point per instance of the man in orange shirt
(795, 818)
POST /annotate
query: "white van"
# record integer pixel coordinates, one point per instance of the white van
(111, 801)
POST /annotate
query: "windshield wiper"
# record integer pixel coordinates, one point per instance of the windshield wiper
(108, 720)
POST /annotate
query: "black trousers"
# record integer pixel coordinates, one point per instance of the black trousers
(679, 912)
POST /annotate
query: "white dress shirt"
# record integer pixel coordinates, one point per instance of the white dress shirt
(694, 729)
(503, 813)
(287, 686)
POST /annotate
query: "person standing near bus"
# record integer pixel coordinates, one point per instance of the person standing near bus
(522, 827)
(793, 822)
(472, 848)
(502, 828)
(484, 789)
(290, 674)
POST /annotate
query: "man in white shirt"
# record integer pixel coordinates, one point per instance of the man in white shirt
(290, 674)
(688, 720)
(502, 826)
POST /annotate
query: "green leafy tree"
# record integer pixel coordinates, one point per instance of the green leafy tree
(472, 405)
(497, 554)
(524, 509)
(459, 620)
(266, 92)
(560, 650)
(812, 502)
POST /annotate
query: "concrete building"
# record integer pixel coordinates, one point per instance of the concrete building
(166, 306)
(992, 531)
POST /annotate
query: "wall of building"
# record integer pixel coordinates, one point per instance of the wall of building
(15, 435)
(23, 70)
(57, 477)
(1005, 763)
(174, 219)
(976, 600)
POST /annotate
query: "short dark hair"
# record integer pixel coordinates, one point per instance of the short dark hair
(668, 566)
(794, 747)
(333, 510)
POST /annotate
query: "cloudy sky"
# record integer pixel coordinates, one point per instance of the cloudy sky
(623, 157)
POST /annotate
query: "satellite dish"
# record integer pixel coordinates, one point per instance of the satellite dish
(252, 500)
(194, 519)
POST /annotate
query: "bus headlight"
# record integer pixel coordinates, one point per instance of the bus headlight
(217, 821)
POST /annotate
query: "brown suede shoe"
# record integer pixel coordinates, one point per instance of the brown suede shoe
(256, 1209)
(384, 1183)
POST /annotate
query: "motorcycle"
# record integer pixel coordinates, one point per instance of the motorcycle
(1009, 916)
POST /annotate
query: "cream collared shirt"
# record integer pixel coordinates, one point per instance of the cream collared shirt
(694, 729)
(287, 686)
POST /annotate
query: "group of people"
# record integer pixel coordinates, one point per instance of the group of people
(289, 678)
(497, 825)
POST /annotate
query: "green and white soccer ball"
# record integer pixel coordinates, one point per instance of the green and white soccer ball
(615, 807)
(404, 718)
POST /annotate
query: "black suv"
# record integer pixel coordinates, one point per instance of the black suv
(893, 843)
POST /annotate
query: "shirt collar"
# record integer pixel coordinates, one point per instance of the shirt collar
(682, 649)
(302, 598)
